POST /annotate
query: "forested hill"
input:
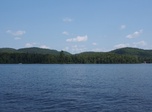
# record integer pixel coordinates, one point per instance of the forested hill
(124, 51)
(32, 50)
(133, 51)
(39, 55)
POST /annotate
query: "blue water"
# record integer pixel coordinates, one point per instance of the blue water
(76, 88)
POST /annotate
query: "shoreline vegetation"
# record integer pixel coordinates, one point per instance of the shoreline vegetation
(36, 55)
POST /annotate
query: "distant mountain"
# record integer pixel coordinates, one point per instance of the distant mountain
(133, 51)
(32, 50)
(38, 55)
(35, 50)
(8, 50)
(122, 51)
(88, 53)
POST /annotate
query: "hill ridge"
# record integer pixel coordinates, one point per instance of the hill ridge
(39, 55)
(32, 50)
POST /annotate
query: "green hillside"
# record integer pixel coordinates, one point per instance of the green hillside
(124, 51)
(35, 50)
(39, 55)
(133, 51)
(8, 50)
(32, 50)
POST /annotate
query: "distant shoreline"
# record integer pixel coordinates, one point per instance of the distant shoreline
(47, 56)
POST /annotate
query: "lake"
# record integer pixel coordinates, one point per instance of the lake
(76, 88)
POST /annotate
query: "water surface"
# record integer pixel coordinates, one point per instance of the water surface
(76, 88)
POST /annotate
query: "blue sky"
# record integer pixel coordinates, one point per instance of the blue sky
(76, 25)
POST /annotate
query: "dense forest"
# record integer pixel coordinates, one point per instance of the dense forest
(47, 56)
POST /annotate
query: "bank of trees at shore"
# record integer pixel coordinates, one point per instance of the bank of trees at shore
(124, 55)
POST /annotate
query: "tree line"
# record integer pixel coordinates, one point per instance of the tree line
(62, 58)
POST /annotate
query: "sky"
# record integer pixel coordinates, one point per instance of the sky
(76, 25)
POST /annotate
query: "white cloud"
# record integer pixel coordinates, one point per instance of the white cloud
(78, 49)
(16, 33)
(67, 20)
(66, 48)
(122, 27)
(135, 34)
(97, 50)
(44, 47)
(30, 44)
(134, 44)
(139, 44)
(75, 48)
(78, 39)
(94, 43)
(121, 45)
(36, 45)
(65, 33)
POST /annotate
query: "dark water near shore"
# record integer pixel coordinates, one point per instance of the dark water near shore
(76, 88)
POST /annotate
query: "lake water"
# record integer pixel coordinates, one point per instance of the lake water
(76, 88)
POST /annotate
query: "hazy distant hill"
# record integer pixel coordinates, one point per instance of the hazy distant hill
(124, 51)
(8, 50)
(90, 53)
(32, 50)
(133, 51)
(35, 50)
(121, 51)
